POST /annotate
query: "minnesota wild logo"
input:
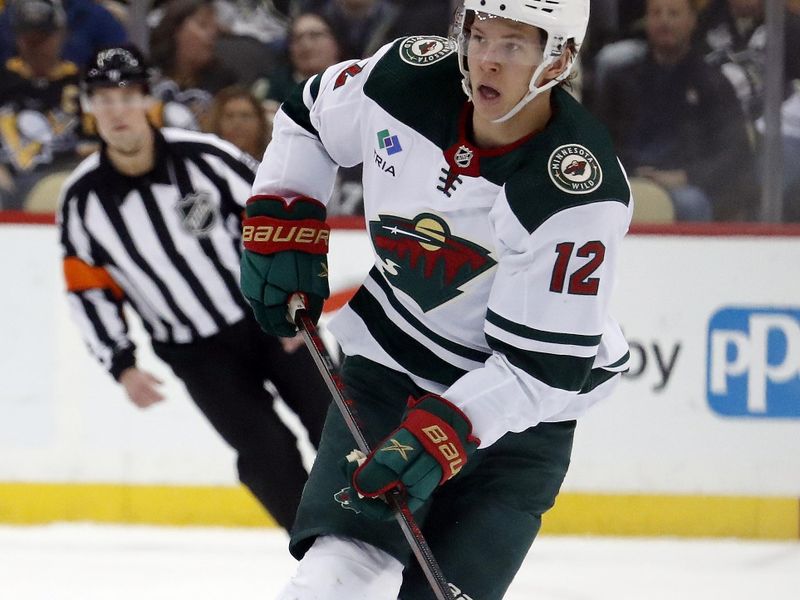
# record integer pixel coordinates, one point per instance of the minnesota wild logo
(423, 259)
(574, 169)
(421, 51)
(344, 496)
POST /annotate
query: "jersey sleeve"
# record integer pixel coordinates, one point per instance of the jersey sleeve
(547, 322)
(95, 299)
(315, 132)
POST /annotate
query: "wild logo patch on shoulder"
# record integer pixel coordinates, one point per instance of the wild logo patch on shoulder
(422, 51)
(574, 169)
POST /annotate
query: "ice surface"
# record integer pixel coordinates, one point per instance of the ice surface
(93, 562)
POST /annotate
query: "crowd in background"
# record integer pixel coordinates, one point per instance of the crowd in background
(679, 83)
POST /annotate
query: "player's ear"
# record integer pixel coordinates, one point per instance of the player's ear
(558, 66)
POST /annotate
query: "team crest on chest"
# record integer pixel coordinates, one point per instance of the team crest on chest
(197, 213)
(423, 259)
(421, 51)
(574, 169)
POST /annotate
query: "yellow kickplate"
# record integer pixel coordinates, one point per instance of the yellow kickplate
(28, 503)
(682, 516)
(580, 514)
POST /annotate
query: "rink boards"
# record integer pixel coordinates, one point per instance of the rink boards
(702, 438)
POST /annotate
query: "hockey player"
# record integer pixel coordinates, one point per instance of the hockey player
(154, 221)
(496, 208)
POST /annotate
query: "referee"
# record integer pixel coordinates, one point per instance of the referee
(154, 220)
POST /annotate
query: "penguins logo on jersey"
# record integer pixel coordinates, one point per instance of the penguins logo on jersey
(574, 169)
(422, 51)
(197, 213)
(423, 259)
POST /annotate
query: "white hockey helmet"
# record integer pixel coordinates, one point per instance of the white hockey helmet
(562, 20)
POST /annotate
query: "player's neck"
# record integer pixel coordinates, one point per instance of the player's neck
(531, 119)
(136, 160)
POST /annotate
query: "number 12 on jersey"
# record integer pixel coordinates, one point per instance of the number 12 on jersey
(580, 281)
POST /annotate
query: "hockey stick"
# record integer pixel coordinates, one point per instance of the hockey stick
(413, 534)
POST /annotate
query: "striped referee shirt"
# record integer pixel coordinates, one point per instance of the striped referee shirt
(166, 242)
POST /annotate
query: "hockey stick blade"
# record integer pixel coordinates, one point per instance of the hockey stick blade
(411, 531)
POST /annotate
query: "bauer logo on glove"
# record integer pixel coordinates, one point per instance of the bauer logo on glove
(285, 247)
(431, 445)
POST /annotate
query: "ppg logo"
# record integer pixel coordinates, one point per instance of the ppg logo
(754, 362)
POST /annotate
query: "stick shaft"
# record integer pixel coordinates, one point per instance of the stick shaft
(411, 531)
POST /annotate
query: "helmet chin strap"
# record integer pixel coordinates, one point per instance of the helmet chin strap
(533, 91)
(554, 49)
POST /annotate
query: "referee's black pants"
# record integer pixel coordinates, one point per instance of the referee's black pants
(225, 375)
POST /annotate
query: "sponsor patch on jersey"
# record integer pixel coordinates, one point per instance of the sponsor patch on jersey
(422, 51)
(197, 213)
(389, 142)
(574, 169)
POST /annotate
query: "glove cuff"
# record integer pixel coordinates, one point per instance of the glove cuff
(267, 235)
(273, 224)
(444, 431)
(448, 412)
(280, 207)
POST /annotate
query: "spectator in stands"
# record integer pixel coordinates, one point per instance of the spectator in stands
(252, 38)
(39, 102)
(676, 120)
(313, 46)
(238, 117)
(366, 25)
(182, 48)
(90, 27)
(736, 36)
(362, 25)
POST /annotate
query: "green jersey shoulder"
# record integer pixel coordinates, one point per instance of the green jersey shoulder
(571, 163)
(418, 82)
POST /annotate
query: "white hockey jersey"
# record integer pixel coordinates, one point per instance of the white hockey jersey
(493, 268)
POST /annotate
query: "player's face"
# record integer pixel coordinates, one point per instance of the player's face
(121, 116)
(502, 56)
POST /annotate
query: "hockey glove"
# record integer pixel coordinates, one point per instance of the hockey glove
(285, 248)
(430, 447)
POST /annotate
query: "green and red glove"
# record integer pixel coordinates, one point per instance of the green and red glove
(285, 252)
(431, 445)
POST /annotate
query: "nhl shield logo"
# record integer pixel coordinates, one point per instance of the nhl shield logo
(197, 213)
(463, 157)
(422, 51)
(574, 169)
